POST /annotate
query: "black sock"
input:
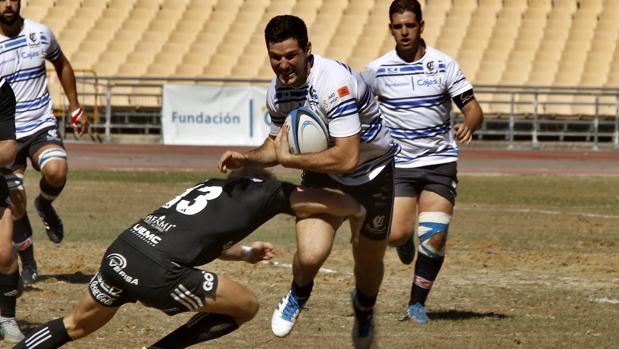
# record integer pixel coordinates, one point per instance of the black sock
(363, 304)
(52, 335)
(426, 270)
(200, 328)
(27, 256)
(302, 294)
(8, 293)
(48, 191)
(22, 238)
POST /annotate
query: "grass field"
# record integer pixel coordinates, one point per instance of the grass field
(532, 262)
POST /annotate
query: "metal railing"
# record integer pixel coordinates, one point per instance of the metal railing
(512, 113)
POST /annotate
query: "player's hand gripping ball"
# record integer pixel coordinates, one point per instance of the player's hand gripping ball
(307, 131)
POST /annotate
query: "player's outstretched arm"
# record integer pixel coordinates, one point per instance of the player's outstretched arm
(263, 156)
(256, 252)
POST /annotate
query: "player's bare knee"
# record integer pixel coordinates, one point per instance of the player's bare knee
(432, 231)
(398, 237)
(247, 309)
(56, 177)
(309, 259)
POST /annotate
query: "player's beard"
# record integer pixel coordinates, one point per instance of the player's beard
(11, 19)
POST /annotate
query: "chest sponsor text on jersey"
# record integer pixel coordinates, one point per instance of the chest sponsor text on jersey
(145, 235)
(159, 223)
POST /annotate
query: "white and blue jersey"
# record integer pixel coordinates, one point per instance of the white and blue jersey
(338, 93)
(415, 100)
(22, 65)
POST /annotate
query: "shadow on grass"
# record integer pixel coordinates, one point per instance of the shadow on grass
(464, 315)
(75, 278)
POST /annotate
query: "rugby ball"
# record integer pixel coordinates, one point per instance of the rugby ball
(307, 131)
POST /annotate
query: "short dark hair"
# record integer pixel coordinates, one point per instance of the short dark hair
(401, 6)
(284, 27)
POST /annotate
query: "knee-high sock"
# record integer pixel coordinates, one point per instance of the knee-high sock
(426, 270)
(22, 238)
(8, 293)
(48, 192)
(52, 335)
(200, 328)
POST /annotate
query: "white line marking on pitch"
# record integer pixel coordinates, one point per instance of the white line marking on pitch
(289, 266)
(605, 300)
(550, 212)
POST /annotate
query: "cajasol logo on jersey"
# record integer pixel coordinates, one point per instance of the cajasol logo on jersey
(428, 81)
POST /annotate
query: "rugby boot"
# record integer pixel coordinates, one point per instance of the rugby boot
(406, 252)
(285, 315)
(29, 273)
(9, 329)
(51, 220)
(418, 313)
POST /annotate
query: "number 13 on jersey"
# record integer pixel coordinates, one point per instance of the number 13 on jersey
(190, 206)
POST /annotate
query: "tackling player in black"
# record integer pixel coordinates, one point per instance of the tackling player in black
(153, 260)
(9, 273)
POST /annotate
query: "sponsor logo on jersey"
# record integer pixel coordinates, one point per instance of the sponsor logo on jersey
(397, 84)
(312, 98)
(145, 235)
(209, 281)
(32, 54)
(159, 223)
(33, 39)
(118, 263)
(376, 225)
(431, 68)
(427, 82)
(343, 91)
(52, 135)
(103, 292)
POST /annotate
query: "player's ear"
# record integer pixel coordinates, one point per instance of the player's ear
(308, 48)
(421, 26)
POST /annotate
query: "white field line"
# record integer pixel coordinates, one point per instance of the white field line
(549, 212)
(605, 300)
(289, 266)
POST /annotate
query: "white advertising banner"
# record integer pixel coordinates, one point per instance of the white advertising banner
(214, 115)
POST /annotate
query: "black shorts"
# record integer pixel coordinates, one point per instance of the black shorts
(127, 275)
(28, 146)
(5, 198)
(376, 196)
(441, 179)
